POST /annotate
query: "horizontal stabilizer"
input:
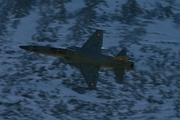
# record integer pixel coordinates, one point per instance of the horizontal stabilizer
(119, 75)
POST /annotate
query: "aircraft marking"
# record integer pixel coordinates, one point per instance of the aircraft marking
(92, 84)
(98, 34)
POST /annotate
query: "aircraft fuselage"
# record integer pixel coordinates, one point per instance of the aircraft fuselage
(80, 57)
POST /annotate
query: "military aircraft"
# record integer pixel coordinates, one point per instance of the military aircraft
(89, 58)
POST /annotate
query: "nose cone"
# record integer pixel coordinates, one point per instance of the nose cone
(24, 47)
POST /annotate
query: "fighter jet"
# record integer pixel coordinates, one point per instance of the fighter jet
(89, 58)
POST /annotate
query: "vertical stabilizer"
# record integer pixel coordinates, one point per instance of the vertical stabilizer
(122, 53)
(121, 56)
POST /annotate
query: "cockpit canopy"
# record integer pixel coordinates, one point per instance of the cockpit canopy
(74, 48)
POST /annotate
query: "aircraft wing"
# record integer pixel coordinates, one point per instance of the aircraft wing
(94, 43)
(119, 75)
(90, 74)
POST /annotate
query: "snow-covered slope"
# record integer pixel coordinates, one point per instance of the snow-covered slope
(37, 87)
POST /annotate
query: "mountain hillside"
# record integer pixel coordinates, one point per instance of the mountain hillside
(38, 87)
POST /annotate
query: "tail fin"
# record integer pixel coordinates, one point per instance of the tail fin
(122, 53)
(122, 56)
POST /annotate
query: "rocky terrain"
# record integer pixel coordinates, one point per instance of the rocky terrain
(37, 87)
